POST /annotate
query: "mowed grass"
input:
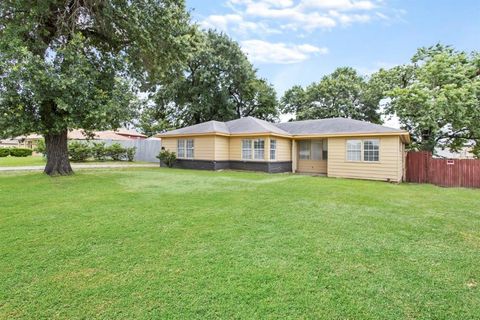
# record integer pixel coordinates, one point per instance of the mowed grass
(22, 161)
(40, 161)
(179, 244)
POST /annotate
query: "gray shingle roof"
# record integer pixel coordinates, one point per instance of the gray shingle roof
(333, 126)
(204, 127)
(253, 125)
(306, 127)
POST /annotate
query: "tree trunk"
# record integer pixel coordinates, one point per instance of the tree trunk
(57, 155)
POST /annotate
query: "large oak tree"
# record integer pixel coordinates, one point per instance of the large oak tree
(218, 83)
(68, 64)
(437, 98)
(343, 93)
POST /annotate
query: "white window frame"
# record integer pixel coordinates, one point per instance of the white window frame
(189, 149)
(376, 143)
(357, 144)
(247, 149)
(183, 148)
(273, 149)
(361, 150)
(258, 152)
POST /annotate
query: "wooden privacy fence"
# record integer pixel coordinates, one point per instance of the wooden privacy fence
(423, 168)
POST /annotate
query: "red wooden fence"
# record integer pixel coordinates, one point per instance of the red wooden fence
(422, 168)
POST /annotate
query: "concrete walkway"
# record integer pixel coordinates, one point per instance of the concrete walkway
(83, 166)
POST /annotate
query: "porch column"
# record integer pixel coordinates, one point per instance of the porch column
(294, 156)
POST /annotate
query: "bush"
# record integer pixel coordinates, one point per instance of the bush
(41, 147)
(4, 152)
(167, 157)
(116, 152)
(79, 151)
(130, 153)
(99, 151)
(20, 152)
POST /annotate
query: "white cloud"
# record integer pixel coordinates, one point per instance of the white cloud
(268, 52)
(341, 5)
(235, 23)
(308, 14)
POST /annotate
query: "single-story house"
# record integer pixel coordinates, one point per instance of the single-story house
(334, 147)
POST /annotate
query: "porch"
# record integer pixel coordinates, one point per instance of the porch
(310, 156)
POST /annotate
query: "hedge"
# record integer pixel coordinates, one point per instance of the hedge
(4, 152)
(20, 152)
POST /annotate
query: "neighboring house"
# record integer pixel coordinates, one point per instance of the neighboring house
(31, 140)
(334, 147)
(9, 143)
(463, 153)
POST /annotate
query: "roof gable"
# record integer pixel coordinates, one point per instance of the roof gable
(202, 128)
(253, 125)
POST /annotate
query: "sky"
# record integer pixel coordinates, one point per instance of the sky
(296, 42)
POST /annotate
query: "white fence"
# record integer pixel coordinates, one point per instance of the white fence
(147, 150)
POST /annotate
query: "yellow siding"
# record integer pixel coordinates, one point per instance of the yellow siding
(284, 149)
(170, 144)
(388, 168)
(222, 148)
(312, 166)
(204, 146)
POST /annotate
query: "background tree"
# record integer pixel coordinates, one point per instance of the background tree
(218, 83)
(437, 98)
(68, 64)
(344, 93)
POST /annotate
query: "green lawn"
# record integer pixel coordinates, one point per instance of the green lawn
(179, 244)
(22, 161)
(40, 161)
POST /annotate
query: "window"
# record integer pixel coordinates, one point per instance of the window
(316, 150)
(273, 149)
(363, 150)
(325, 150)
(189, 149)
(181, 148)
(354, 150)
(246, 149)
(259, 149)
(185, 148)
(304, 147)
(371, 150)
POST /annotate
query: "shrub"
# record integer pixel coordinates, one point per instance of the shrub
(99, 151)
(130, 153)
(167, 157)
(79, 151)
(20, 152)
(4, 152)
(116, 152)
(41, 147)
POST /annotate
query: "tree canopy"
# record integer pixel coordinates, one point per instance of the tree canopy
(218, 83)
(437, 98)
(343, 93)
(68, 64)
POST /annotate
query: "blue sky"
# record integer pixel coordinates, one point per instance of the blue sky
(298, 41)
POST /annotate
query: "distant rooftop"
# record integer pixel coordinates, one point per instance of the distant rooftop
(78, 134)
(306, 127)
